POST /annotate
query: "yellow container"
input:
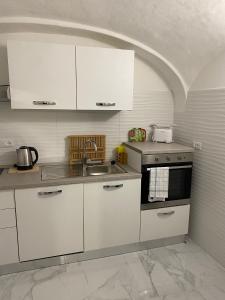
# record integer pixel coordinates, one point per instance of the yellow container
(121, 155)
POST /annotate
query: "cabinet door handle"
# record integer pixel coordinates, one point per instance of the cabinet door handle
(105, 103)
(116, 186)
(168, 213)
(50, 193)
(44, 102)
(8, 93)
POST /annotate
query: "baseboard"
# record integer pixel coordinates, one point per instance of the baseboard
(78, 257)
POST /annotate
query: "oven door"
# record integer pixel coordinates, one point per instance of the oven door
(179, 186)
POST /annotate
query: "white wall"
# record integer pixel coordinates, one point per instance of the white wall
(47, 130)
(212, 76)
(204, 121)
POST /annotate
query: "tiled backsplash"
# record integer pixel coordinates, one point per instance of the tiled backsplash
(47, 130)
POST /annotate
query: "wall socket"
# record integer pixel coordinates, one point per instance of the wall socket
(6, 143)
(197, 145)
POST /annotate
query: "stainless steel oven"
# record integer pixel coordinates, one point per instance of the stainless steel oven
(179, 166)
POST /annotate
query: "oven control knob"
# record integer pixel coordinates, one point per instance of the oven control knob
(168, 158)
(156, 159)
(179, 157)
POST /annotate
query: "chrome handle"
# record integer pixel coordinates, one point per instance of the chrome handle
(168, 213)
(105, 103)
(180, 167)
(116, 186)
(44, 103)
(8, 93)
(50, 193)
(173, 167)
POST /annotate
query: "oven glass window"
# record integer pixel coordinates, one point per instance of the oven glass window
(180, 183)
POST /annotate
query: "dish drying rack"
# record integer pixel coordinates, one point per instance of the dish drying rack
(76, 147)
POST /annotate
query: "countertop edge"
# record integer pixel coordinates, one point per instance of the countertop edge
(158, 151)
(37, 182)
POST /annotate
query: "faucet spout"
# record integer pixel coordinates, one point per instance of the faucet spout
(85, 157)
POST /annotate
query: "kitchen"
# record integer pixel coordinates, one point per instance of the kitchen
(111, 226)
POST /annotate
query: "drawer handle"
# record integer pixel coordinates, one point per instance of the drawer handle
(168, 213)
(50, 193)
(105, 103)
(116, 186)
(44, 103)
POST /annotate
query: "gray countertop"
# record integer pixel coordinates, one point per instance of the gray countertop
(31, 180)
(154, 148)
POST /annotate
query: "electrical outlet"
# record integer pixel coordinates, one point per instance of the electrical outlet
(6, 143)
(197, 145)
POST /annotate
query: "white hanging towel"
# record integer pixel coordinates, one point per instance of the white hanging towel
(158, 184)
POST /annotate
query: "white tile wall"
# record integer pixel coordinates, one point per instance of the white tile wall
(47, 130)
(204, 121)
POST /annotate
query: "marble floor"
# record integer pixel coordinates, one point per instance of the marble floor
(181, 271)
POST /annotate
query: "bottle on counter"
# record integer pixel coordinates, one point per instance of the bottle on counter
(121, 155)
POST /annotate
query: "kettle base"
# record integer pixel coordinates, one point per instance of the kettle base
(24, 168)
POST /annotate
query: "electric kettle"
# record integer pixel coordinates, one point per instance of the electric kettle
(25, 159)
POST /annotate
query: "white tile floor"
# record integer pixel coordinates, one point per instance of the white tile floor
(182, 271)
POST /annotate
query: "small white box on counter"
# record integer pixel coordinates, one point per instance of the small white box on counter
(163, 135)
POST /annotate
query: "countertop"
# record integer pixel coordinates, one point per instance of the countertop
(154, 148)
(32, 180)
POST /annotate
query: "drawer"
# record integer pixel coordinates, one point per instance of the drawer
(164, 222)
(8, 246)
(7, 199)
(7, 218)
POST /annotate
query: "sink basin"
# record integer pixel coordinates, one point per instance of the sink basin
(78, 170)
(61, 171)
(97, 170)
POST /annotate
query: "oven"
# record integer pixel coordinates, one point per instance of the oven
(179, 169)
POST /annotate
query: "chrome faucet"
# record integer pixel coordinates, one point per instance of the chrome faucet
(85, 157)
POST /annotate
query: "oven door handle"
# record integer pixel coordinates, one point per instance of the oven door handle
(173, 167)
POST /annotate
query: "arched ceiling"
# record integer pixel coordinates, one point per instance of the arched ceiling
(188, 33)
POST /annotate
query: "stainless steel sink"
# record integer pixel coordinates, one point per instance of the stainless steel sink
(61, 171)
(97, 170)
(105, 169)
(78, 170)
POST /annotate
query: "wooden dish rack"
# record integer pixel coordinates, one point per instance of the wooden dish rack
(76, 147)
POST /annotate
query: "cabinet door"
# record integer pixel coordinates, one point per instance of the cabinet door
(7, 218)
(50, 221)
(104, 78)
(164, 222)
(7, 199)
(111, 213)
(8, 246)
(42, 75)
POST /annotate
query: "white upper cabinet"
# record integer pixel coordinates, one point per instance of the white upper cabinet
(42, 75)
(104, 78)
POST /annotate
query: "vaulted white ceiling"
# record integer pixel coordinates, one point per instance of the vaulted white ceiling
(189, 33)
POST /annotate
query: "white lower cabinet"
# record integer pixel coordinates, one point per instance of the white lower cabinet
(8, 233)
(7, 199)
(8, 246)
(164, 222)
(50, 221)
(111, 213)
(7, 218)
